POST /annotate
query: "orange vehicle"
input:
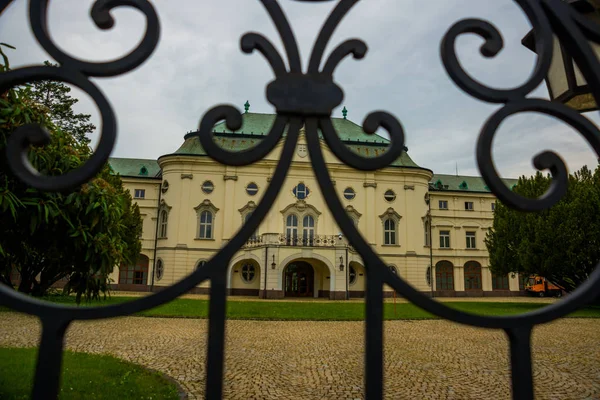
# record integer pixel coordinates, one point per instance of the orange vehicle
(541, 287)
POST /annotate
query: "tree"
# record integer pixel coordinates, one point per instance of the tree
(45, 237)
(561, 243)
(54, 97)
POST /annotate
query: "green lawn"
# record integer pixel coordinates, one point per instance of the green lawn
(321, 311)
(84, 376)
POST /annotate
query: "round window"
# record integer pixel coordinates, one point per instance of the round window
(165, 187)
(160, 269)
(301, 191)
(248, 273)
(352, 276)
(349, 194)
(208, 187)
(393, 269)
(252, 189)
(390, 195)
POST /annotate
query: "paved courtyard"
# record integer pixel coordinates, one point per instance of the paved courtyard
(323, 360)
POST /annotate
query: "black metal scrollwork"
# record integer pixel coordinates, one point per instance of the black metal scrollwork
(309, 98)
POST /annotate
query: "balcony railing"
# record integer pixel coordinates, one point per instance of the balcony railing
(314, 241)
(298, 241)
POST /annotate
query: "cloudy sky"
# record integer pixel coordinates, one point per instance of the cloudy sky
(198, 64)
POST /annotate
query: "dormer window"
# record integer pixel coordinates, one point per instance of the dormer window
(143, 171)
(463, 185)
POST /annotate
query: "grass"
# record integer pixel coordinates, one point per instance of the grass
(321, 311)
(84, 376)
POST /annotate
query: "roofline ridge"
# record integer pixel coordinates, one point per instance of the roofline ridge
(130, 158)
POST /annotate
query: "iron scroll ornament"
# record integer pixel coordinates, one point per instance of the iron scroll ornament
(309, 98)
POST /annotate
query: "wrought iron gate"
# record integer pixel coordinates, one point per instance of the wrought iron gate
(308, 98)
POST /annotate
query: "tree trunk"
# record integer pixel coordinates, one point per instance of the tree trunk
(26, 285)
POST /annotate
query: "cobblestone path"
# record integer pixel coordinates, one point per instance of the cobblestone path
(324, 360)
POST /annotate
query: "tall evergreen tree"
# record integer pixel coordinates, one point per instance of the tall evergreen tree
(58, 105)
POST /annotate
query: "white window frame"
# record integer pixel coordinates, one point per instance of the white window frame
(469, 206)
(208, 206)
(308, 231)
(444, 244)
(291, 229)
(471, 240)
(139, 193)
(389, 233)
(443, 202)
(207, 224)
(163, 221)
(305, 192)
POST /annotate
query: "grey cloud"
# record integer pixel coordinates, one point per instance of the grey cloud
(198, 65)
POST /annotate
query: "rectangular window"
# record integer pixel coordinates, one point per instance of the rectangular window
(139, 193)
(494, 206)
(443, 204)
(469, 205)
(444, 239)
(471, 240)
(427, 238)
(499, 282)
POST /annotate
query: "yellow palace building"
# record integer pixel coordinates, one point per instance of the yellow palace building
(191, 206)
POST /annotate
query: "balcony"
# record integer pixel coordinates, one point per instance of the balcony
(295, 241)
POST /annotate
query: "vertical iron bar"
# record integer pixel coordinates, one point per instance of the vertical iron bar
(49, 358)
(374, 334)
(216, 335)
(521, 363)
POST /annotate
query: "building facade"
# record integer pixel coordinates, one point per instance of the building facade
(191, 206)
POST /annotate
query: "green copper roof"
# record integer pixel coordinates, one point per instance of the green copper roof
(256, 126)
(460, 183)
(134, 167)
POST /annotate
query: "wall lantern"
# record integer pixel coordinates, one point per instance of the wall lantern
(564, 80)
(341, 263)
(273, 265)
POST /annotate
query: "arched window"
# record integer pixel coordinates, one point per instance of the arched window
(389, 231)
(472, 275)
(163, 221)
(205, 225)
(308, 230)
(291, 229)
(444, 276)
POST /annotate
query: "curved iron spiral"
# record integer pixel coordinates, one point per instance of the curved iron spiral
(309, 98)
(76, 72)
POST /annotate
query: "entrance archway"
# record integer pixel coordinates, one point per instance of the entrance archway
(298, 279)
